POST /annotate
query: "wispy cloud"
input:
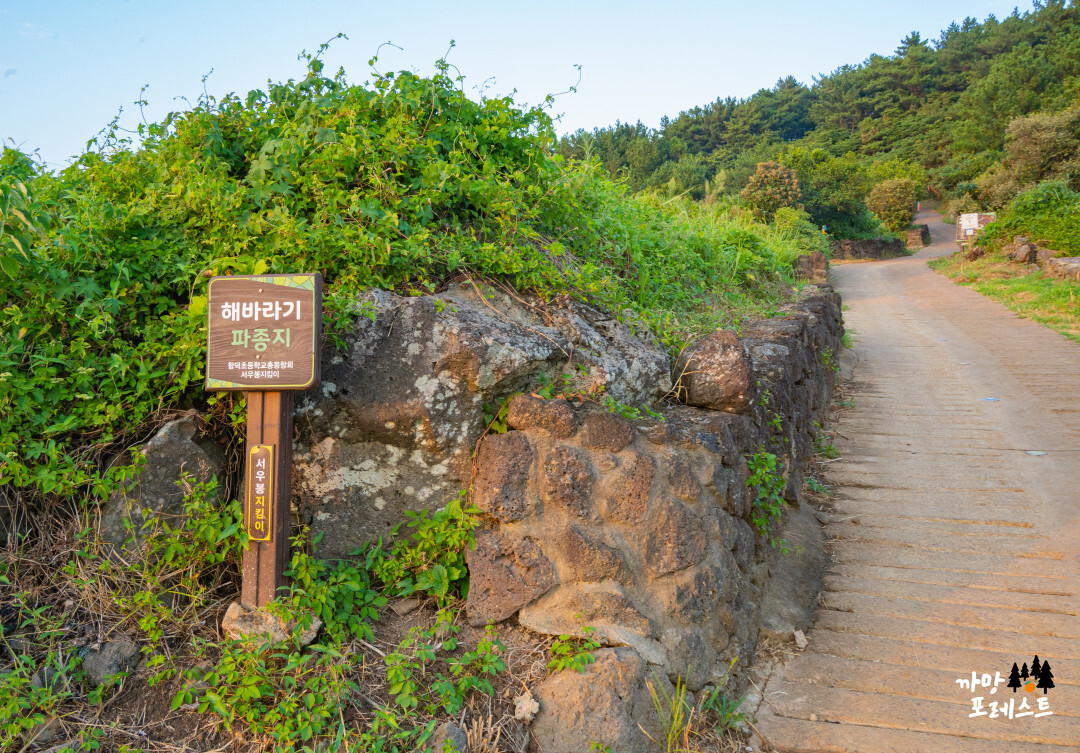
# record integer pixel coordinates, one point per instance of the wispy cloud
(10, 72)
(36, 32)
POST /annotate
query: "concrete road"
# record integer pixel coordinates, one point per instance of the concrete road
(956, 536)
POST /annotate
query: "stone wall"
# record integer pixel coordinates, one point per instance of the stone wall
(872, 248)
(812, 267)
(396, 421)
(918, 237)
(641, 529)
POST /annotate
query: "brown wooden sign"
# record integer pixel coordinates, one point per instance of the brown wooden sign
(263, 332)
(259, 507)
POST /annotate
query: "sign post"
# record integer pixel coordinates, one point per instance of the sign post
(263, 337)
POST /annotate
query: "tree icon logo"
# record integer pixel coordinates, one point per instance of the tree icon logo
(1040, 677)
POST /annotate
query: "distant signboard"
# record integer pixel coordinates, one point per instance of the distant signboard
(970, 223)
(263, 332)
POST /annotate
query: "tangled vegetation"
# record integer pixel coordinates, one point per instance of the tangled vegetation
(1047, 214)
(405, 184)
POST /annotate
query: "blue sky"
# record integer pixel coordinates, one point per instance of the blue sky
(66, 68)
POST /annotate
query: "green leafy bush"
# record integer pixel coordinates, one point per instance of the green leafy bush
(1047, 214)
(893, 201)
(432, 559)
(568, 652)
(400, 184)
(771, 187)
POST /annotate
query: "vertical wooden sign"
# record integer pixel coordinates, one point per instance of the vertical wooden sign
(263, 337)
(259, 490)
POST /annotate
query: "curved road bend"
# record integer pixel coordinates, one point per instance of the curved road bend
(954, 549)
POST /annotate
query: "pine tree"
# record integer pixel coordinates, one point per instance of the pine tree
(1024, 673)
(1014, 678)
(1035, 670)
(1046, 678)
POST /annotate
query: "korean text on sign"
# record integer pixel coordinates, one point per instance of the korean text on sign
(260, 493)
(238, 311)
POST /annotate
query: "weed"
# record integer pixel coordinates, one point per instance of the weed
(768, 506)
(816, 486)
(846, 340)
(676, 716)
(828, 360)
(823, 445)
(775, 421)
(573, 653)
(717, 705)
(432, 560)
(495, 418)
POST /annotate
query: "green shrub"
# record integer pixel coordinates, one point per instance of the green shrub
(771, 187)
(893, 201)
(1047, 214)
(431, 561)
(400, 184)
(568, 652)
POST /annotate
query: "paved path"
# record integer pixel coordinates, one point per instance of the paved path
(955, 550)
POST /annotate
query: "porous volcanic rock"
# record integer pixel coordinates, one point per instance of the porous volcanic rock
(645, 525)
(1067, 268)
(554, 416)
(400, 410)
(716, 373)
(504, 463)
(813, 267)
(115, 655)
(603, 431)
(504, 576)
(627, 488)
(172, 452)
(604, 704)
(1025, 253)
(567, 481)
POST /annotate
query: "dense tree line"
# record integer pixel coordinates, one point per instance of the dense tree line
(946, 113)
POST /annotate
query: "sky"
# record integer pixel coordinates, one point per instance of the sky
(67, 68)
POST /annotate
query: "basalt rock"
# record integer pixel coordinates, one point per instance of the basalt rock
(115, 656)
(609, 704)
(812, 267)
(157, 492)
(505, 575)
(871, 248)
(554, 416)
(716, 373)
(1067, 268)
(1025, 253)
(646, 525)
(917, 237)
(394, 425)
